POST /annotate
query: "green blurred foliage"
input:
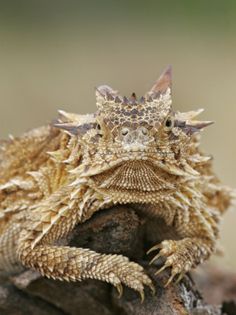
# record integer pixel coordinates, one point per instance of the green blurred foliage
(215, 14)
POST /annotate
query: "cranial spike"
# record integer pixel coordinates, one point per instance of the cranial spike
(191, 127)
(133, 99)
(149, 98)
(125, 100)
(70, 128)
(118, 99)
(103, 90)
(104, 94)
(188, 115)
(110, 97)
(142, 100)
(133, 96)
(199, 124)
(64, 115)
(163, 83)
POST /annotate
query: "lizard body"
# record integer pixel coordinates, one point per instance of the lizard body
(131, 151)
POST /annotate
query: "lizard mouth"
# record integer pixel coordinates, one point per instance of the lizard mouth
(135, 175)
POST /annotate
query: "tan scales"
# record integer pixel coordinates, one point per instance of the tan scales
(130, 151)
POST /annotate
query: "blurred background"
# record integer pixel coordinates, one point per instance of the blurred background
(53, 53)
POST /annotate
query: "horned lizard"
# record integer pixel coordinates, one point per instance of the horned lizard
(130, 151)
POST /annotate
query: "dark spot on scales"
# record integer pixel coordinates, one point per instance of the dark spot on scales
(134, 112)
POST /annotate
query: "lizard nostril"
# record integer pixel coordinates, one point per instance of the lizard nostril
(124, 131)
(144, 131)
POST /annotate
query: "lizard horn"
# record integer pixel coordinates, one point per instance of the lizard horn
(105, 93)
(162, 84)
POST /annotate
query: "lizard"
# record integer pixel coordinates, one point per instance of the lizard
(137, 151)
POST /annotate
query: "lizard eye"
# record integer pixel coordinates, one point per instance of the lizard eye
(169, 123)
(99, 130)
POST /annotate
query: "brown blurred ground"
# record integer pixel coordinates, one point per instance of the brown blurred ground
(53, 54)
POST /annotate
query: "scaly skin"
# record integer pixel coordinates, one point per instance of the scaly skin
(131, 151)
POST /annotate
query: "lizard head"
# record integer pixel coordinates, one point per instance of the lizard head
(138, 143)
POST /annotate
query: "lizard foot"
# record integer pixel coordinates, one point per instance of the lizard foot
(178, 258)
(72, 264)
(132, 275)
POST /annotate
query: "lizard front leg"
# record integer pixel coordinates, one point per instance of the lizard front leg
(197, 243)
(76, 264)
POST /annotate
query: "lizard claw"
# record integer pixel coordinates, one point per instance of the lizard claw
(166, 265)
(142, 296)
(170, 279)
(180, 277)
(159, 246)
(178, 255)
(160, 270)
(119, 288)
(130, 274)
(155, 258)
(152, 288)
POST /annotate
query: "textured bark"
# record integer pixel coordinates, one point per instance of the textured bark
(117, 230)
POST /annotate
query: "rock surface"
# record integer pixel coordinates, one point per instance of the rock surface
(118, 230)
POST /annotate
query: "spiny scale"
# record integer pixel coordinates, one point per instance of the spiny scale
(131, 150)
(134, 175)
